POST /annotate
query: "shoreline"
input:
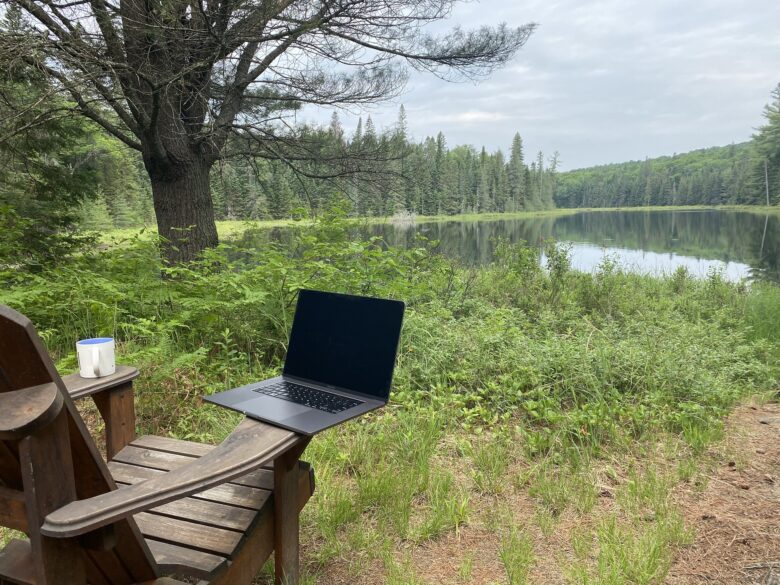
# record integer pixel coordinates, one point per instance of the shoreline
(230, 228)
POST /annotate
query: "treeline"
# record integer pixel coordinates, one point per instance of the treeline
(734, 174)
(385, 173)
(711, 176)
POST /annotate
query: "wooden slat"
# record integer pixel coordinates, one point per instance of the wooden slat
(173, 445)
(227, 493)
(79, 387)
(16, 563)
(13, 512)
(208, 513)
(94, 575)
(262, 478)
(251, 445)
(24, 361)
(176, 559)
(204, 538)
(165, 461)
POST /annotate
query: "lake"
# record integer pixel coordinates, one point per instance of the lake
(737, 244)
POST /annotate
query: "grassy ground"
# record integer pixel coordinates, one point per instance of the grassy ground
(231, 228)
(541, 419)
(492, 514)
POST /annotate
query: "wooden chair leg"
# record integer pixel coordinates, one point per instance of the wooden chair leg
(47, 475)
(117, 408)
(286, 518)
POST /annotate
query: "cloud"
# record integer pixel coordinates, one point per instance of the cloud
(472, 117)
(608, 80)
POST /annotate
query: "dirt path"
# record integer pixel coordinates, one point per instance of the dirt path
(737, 515)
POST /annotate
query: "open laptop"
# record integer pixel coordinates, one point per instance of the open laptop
(339, 364)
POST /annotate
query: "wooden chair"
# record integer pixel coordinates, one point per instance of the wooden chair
(159, 506)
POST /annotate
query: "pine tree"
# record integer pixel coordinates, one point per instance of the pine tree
(516, 175)
(279, 195)
(767, 144)
(336, 129)
(95, 215)
(357, 137)
(548, 201)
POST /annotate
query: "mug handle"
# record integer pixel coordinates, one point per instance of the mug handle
(96, 361)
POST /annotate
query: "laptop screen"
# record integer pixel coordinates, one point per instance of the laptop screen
(345, 341)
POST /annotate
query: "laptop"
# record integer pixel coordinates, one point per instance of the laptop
(339, 364)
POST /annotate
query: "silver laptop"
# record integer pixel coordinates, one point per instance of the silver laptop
(339, 364)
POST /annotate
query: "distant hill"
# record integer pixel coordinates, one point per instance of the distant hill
(710, 176)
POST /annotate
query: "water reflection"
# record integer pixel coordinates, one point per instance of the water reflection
(588, 257)
(738, 244)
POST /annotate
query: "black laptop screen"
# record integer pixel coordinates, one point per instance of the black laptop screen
(345, 341)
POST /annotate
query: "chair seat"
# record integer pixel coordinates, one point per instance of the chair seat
(200, 535)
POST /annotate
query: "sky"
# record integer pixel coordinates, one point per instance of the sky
(604, 81)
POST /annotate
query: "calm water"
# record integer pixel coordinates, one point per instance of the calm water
(737, 244)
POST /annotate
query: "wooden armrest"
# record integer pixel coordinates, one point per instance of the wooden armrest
(23, 411)
(251, 445)
(79, 387)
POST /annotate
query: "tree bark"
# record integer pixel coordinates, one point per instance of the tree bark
(184, 209)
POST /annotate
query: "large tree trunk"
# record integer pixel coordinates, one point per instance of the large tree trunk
(184, 209)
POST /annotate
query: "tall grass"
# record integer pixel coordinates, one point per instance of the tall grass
(577, 360)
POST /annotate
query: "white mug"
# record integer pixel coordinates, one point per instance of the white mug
(96, 357)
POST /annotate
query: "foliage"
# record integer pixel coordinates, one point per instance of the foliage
(46, 170)
(767, 143)
(56, 171)
(734, 174)
(711, 176)
(577, 360)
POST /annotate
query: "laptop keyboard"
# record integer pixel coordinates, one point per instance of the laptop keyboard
(319, 399)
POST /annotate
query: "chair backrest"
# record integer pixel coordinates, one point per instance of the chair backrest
(24, 364)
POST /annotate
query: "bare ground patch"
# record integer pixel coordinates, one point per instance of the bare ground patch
(737, 516)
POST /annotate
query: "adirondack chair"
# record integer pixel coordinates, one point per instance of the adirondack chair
(159, 508)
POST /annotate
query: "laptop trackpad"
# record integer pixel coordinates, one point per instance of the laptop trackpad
(268, 407)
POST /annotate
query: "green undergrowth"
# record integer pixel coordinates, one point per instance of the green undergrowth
(511, 378)
(576, 360)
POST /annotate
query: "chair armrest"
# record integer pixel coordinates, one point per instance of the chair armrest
(23, 411)
(79, 387)
(251, 445)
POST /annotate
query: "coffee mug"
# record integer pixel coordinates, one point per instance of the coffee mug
(96, 357)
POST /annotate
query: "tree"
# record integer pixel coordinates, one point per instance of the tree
(48, 166)
(767, 142)
(178, 80)
(516, 174)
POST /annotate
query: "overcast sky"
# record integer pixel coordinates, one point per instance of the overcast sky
(607, 80)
